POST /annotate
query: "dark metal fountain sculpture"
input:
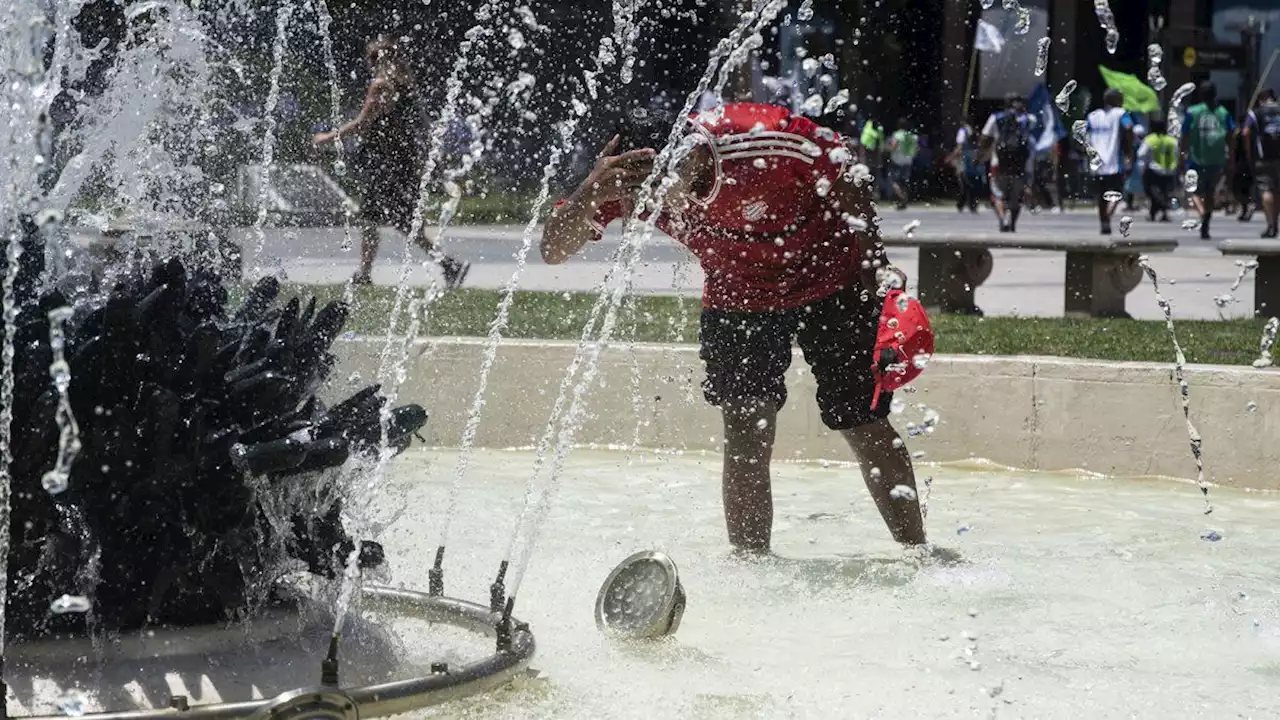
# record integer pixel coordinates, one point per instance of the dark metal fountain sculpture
(186, 413)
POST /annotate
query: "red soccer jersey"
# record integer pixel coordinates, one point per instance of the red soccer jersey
(768, 235)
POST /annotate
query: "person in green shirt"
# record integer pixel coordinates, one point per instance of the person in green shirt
(903, 147)
(1158, 158)
(1205, 131)
(872, 144)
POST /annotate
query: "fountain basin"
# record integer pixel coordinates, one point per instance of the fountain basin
(1081, 596)
(283, 644)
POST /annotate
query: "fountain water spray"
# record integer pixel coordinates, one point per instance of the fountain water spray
(323, 20)
(57, 479)
(1268, 339)
(280, 46)
(638, 231)
(1184, 389)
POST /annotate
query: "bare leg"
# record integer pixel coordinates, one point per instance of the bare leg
(748, 496)
(368, 251)
(874, 447)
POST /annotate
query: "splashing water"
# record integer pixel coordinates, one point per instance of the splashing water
(1184, 389)
(1268, 340)
(1063, 99)
(637, 233)
(278, 49)
(1113, 196)
(626, 32)
(988, 4)
(568, 131)
(1191, 181)
(1155, 56)
(1190, 224)
(58, 479)
(805, 12)
(1022, 25)
(1102, 8)
(1042, 55)
(1126, 223)
(1080, 131)
(910, 228)
(323, 20)
(1227, 298)
(837, 101)
(1175, 108)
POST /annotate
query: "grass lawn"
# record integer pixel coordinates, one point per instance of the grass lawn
(560, 316)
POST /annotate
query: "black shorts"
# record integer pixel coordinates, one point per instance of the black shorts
(1268, 175)
(390, 196)
(747, 355)
(1109, 183)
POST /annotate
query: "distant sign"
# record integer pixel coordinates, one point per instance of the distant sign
(1213, 57)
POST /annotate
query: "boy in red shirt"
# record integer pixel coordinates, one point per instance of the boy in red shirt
(786, 239)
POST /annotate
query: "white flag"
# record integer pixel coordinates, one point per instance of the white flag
(987, 38)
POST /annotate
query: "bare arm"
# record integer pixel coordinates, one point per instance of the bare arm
(854, 203)
(377, 101)
(614, 178)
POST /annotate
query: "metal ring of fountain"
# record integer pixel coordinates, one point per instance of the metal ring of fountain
(512, 657)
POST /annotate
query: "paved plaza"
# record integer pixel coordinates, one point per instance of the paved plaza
(1024, 282)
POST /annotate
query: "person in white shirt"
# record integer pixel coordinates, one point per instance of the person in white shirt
(1006, 139)
(1110, 135)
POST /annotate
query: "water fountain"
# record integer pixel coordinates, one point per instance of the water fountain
(196, 479)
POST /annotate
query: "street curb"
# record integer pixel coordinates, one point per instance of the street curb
(1039, 413)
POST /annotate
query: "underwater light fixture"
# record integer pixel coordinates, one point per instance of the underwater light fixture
(642, 597)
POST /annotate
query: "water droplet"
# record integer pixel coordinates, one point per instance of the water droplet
(759, 164)
(822, 187)
(910, 228)
(1112, 196)
(805, 12)
(921, 360)
(897, 443)
(1251, 406)
(1042, 55)
(964, 529)
(988, 4)
(1191, 181)
(973, 612)
(1063, 100)
(874, 473)
(1190, 224)
(897, 406)
(837, 101)
(1211, 535)
(810, 66)
(54, 482)
(813, 105)
(70, 604)
(902, 492)
(1126, 223)
(1022, 25)
(762, 423)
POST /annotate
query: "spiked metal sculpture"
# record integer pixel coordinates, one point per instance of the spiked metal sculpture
(187, 413)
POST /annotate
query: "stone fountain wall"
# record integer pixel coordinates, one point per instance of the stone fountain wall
(1121, 419)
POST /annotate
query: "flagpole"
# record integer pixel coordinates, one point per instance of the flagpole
(1263, 80)
(968, 86)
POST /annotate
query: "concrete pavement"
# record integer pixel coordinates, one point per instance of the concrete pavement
(1024, 282)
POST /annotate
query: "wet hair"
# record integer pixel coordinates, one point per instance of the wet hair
(387, 58)
(1113, 98)
(1159, 127)
(1208, 92)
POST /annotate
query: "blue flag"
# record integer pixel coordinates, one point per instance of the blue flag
(1048, 124)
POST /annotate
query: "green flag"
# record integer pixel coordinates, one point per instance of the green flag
(1138, 96)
